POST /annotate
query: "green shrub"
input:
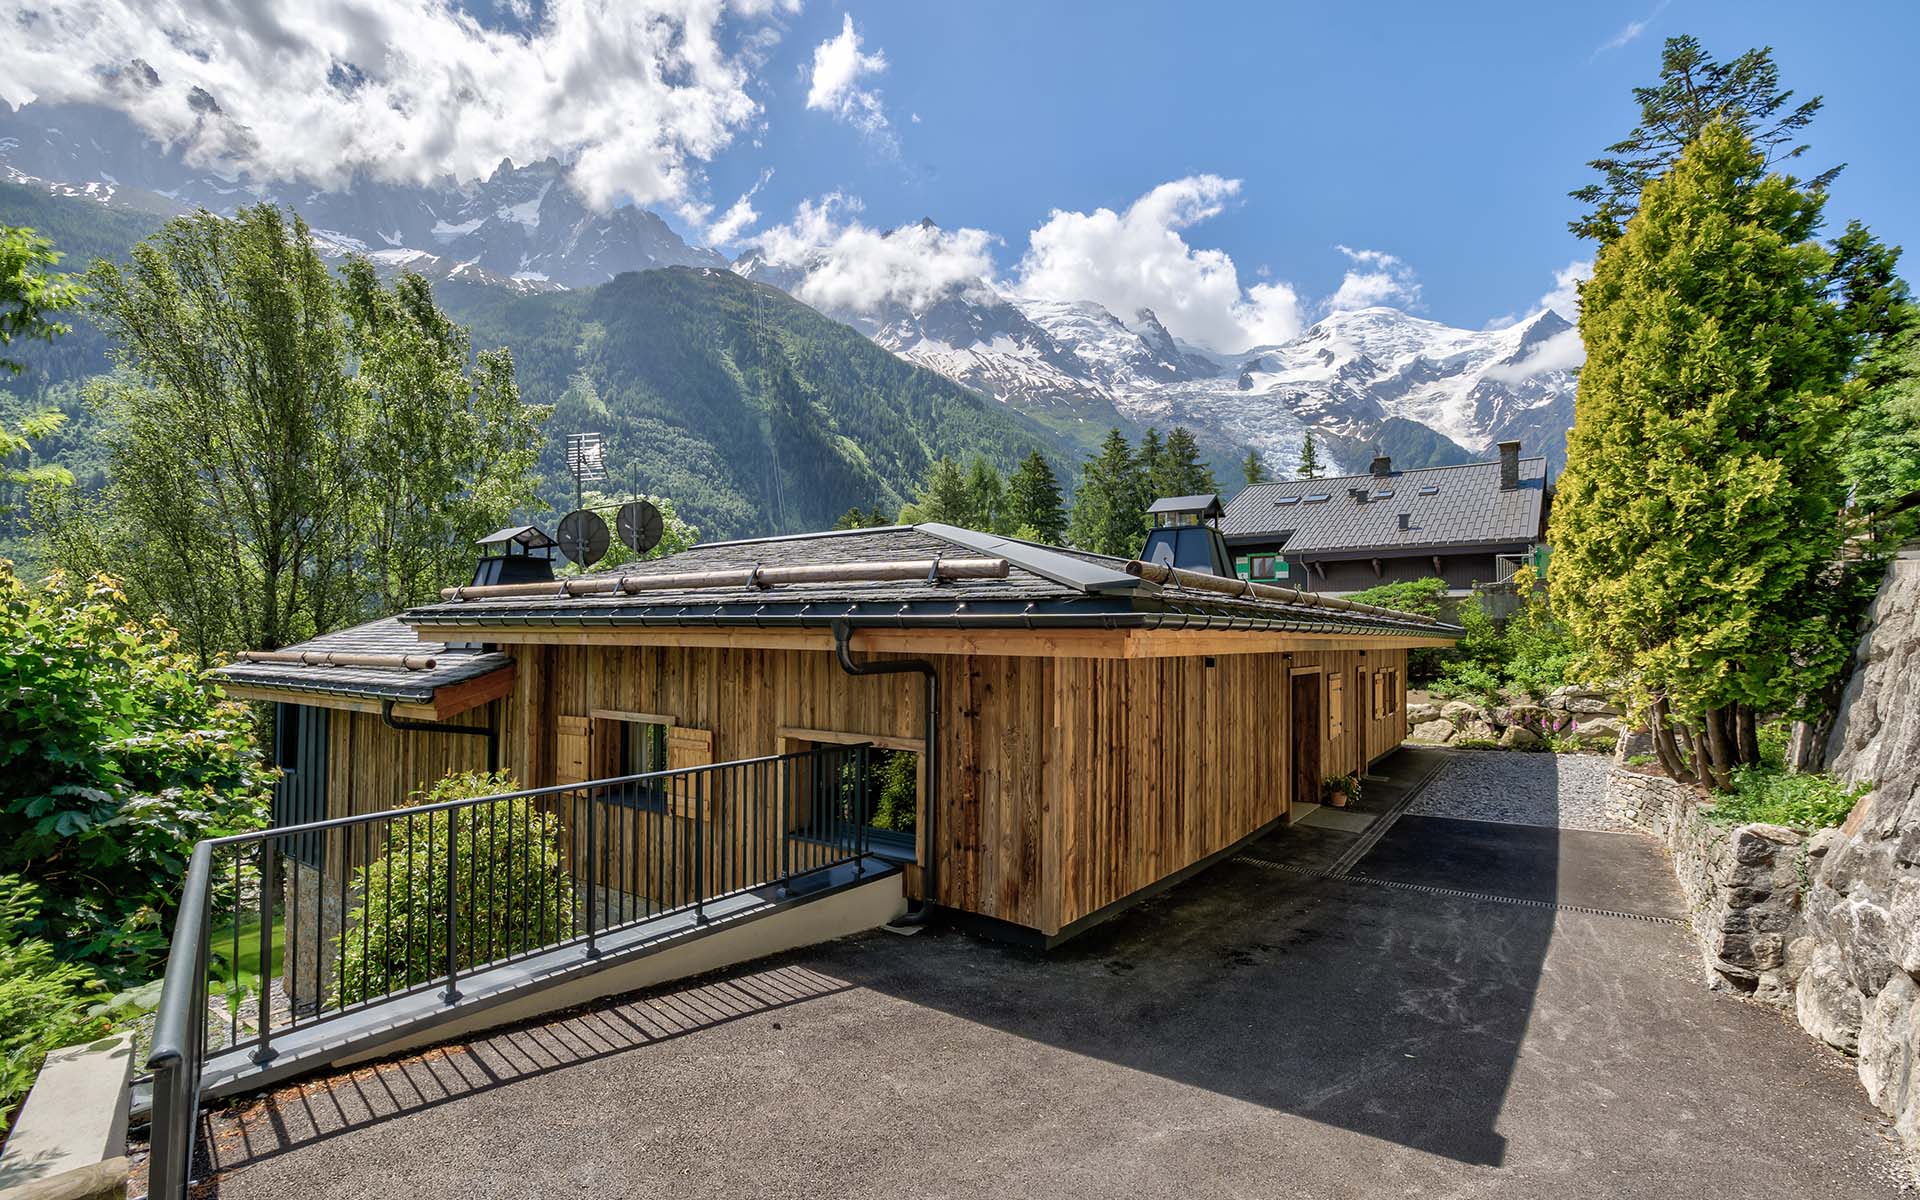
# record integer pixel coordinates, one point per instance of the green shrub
(1767, 794)
(510, 892)
(115, 758)
(899, 807)
(1423, 596)
(1466, 681)
(1474, 744)
(44, 1003)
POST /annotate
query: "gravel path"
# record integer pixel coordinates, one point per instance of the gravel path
(1564, 790)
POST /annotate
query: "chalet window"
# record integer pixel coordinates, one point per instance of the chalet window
(1336, 705)
(643, 747)
(889, 807)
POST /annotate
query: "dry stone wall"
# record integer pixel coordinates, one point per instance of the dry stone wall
(1743, 883)
(1863, 905)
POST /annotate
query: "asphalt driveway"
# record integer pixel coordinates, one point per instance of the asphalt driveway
(1447, 1020)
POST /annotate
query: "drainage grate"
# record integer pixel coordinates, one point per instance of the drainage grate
(1433, 890)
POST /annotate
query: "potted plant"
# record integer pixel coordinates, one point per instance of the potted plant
(1341, 790)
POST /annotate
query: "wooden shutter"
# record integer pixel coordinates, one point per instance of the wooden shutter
(687, 748)
(573, 750)
(1336, 704)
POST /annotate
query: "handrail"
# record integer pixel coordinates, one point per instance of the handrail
(180, 1030)
(505, 877)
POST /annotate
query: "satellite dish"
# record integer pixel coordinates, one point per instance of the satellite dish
(583, 537)
(640, 525)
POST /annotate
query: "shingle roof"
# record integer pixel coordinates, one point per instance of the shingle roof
(1466, 507)
(1044, 586)
(384, 636)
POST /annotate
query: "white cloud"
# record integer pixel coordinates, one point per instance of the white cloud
(1565, 296)
(632, 93)
(838, 66)
(852, 267)
(739, 217)
(1137, 259)
(1631, 31)
(1564, 350)
(1375, 278)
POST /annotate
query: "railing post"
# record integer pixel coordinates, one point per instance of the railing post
(593, 876)
(865, 785)
(699, 847)
(452, 994)
(269, 883)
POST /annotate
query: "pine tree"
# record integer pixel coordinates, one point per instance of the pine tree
(1152, 458)
(1033, 500)
(987, 496)
(1182, 472)
(944, 498)
(1694, 90)
(1110, 507)
(1310, 465)
(1254, 470)
(1696, 520)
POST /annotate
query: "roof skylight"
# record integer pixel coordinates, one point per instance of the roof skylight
(1317, 498)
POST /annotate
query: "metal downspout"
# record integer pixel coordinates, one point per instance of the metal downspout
(930, 870)
(486, 731)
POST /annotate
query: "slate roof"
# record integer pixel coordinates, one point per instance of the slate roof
(1046, 586)
(384, 636)
(1466, 509)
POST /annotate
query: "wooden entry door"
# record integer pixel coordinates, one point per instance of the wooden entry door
(1304, 706)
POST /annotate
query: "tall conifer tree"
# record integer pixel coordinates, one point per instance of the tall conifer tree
(1033, 501)
(1696, 518)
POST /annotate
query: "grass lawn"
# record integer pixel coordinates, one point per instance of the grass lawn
(221, 958)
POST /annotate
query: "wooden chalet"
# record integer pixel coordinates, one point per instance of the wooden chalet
(1083, 729)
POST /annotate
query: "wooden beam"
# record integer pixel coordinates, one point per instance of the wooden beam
(791, 733)
(456, 698)
(615, 714)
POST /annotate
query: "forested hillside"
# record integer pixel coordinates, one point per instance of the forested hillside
(755, 413)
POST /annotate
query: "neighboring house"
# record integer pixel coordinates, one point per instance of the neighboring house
(1079, 735)
(1471, 524)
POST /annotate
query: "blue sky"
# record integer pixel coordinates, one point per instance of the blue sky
(1446, 135)
(1241, 169)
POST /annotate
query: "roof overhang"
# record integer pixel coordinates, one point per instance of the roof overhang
(432, 703)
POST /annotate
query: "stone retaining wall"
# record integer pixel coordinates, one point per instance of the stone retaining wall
(1859, 993)
(1743, 883)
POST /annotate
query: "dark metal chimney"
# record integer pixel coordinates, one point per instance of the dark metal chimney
(1509, 466)
(1382, 466)
(1406, 520)
(518, 554)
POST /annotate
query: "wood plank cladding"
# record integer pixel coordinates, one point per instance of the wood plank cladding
(1065, 783)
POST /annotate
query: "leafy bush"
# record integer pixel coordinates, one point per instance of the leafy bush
(899, 807)
(1460, 681)
(1772, 796)
(1422, 596)
(510, 892)
(43, 1002)
(115, 758)
(1530, 654)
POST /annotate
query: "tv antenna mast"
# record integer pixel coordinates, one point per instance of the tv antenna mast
(586, 462)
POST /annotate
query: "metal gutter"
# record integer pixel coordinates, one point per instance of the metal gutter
(486, 731)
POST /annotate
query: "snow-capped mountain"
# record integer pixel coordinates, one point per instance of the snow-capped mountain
(1361, 380)
(523, 223)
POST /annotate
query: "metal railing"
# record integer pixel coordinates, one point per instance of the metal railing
(341, 915)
